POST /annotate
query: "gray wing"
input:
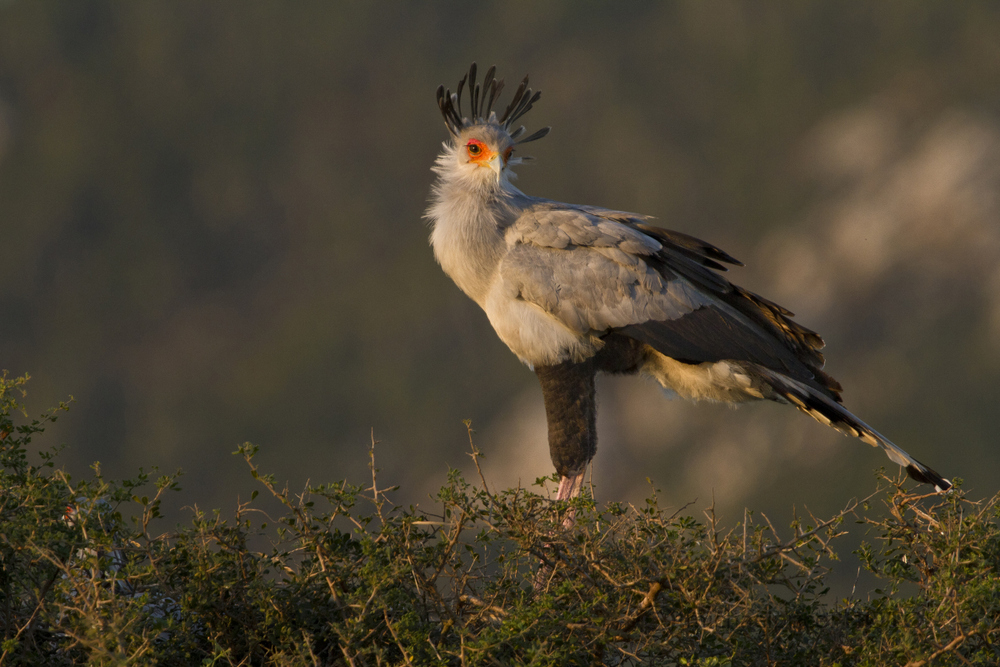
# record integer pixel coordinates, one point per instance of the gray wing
(589, 272)
(599, 270)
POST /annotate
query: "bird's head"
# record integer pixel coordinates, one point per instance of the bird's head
(483, 144)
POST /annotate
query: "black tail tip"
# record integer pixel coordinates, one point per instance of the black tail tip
(928, 476)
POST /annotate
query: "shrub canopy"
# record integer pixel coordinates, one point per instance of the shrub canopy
(342, 576)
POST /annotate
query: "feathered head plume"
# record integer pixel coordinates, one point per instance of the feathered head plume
(481, 109)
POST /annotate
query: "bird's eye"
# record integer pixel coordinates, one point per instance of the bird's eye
(475, 148)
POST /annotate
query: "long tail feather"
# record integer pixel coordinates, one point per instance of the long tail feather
(824, 409)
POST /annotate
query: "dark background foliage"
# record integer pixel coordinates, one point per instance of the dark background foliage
(210, 231)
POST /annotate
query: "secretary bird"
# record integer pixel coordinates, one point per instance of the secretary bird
(574, 290)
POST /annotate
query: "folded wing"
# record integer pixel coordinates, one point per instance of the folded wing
(598, 270)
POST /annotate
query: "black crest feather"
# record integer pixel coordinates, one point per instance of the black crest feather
(481, 107)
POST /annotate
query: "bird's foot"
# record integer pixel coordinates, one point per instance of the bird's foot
(569, 488)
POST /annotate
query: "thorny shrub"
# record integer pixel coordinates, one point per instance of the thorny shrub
(484, 577)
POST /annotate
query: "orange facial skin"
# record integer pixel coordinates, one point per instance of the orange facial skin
(482, 156)
(479, 153)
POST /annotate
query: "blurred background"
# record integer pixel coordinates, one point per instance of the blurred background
(211, 232)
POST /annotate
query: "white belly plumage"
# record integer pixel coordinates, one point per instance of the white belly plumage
(535, 336)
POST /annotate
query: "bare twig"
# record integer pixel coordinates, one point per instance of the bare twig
(475, 453)
(497, 612)
(392, 630)
(951, 646)
(647, 603)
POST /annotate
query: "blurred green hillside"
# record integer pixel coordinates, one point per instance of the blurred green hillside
(210, 230)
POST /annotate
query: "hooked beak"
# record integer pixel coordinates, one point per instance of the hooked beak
(496, 164)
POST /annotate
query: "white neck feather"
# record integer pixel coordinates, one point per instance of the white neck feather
(470, 209)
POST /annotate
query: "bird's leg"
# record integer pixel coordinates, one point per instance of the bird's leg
(569, 487)
(571, 412)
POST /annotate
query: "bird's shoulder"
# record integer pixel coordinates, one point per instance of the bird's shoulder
(551, 224)
(554, 224)
(591, 272)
